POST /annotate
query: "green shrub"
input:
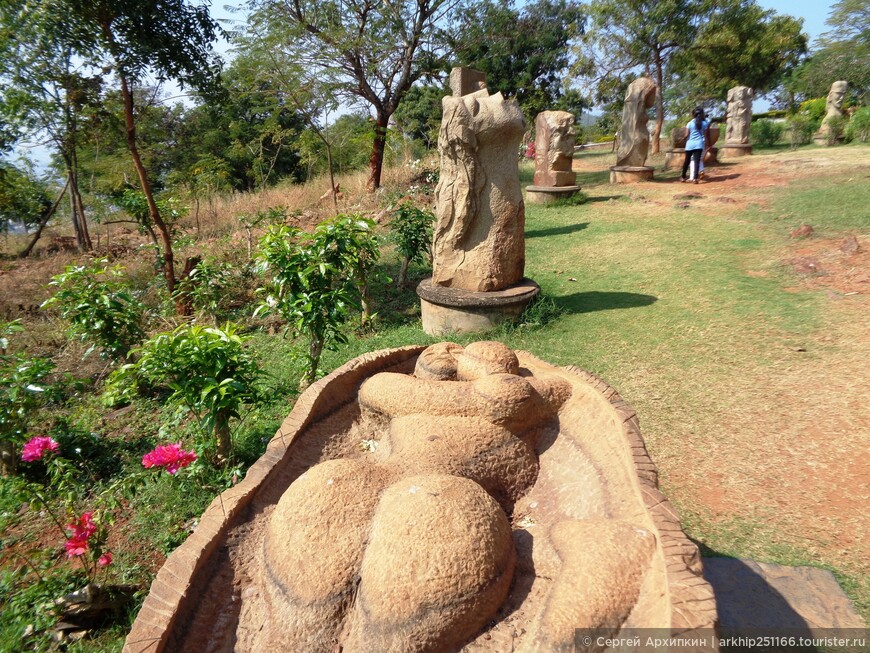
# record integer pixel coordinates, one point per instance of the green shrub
(317, 281)
(99, 307)
(836, 126)
(208, 370)
(801, 129)
(815, 108)
(22, 391)
(859, 126)
(411, 231)
(766, 133)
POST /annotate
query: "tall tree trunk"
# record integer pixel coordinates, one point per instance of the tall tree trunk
(74, 211)
(24, 253)
(376, 161)
(130, 133)
(660, 105)
(85, 243)
(153, 211)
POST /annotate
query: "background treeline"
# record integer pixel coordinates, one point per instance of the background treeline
(313, 88)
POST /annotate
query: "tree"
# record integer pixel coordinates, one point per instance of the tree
(43, 92)
(372, 50)
(133, 37)
(742, 44)
(419, 114)
(842, 53)
(524, 52)
(23, 197)
(633, 36)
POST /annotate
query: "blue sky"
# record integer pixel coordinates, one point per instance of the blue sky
(814, 13)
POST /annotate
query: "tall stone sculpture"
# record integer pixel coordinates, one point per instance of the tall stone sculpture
(479, 241)
(833, 109)
(554, 158)
(633, 135)
(739, 116)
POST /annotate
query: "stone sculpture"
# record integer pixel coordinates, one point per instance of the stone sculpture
(739, 115)
(554, 158)
(498, 504)
(554, 149)
(412, 553)
(479, 239)
(633, 135)
(479, 242)
(833, 109)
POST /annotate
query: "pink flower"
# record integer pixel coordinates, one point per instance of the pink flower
(169, 456)
(82, 530)
(105, 559)
(36, 448)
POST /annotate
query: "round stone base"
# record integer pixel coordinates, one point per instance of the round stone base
(711, 157)
(456, 311)
(674, 158)
(630, 174)
(548, 194)
(734, 150)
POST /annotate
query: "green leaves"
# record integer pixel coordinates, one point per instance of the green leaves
(207, 369)
(99, 307)
(318, 281)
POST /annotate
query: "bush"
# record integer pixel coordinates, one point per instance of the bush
(411, 231)
(859, 126)
(22, 391)
(801, 129)
(815, 108)
(766, 133)
(99, 307)
(836, 126)
(208, 370)
(318, 280)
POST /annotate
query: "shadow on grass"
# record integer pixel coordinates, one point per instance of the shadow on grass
(596, 300)
(604, 198)
(557, 231)
(746, 599)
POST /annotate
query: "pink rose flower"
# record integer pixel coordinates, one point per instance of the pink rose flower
(169, 456)
(36, 448)
(105, 559)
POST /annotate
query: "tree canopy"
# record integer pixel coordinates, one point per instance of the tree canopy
(524, 52)
(372, 50)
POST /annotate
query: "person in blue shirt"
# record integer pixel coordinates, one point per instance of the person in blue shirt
(695, 145)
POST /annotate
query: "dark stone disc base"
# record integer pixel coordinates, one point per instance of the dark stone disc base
(734, 150)
(454, 311)
(630, 174)
(548, 194)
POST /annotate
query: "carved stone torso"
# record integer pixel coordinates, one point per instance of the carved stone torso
(633, 133)
(479, 235)
(833, 106)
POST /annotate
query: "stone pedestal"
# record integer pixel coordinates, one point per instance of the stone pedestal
(548, 194)
(674, 158)
(630, 174)
(456, 311)
(711, 157)
(734, 150)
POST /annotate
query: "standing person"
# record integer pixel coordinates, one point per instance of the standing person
(695, 144)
